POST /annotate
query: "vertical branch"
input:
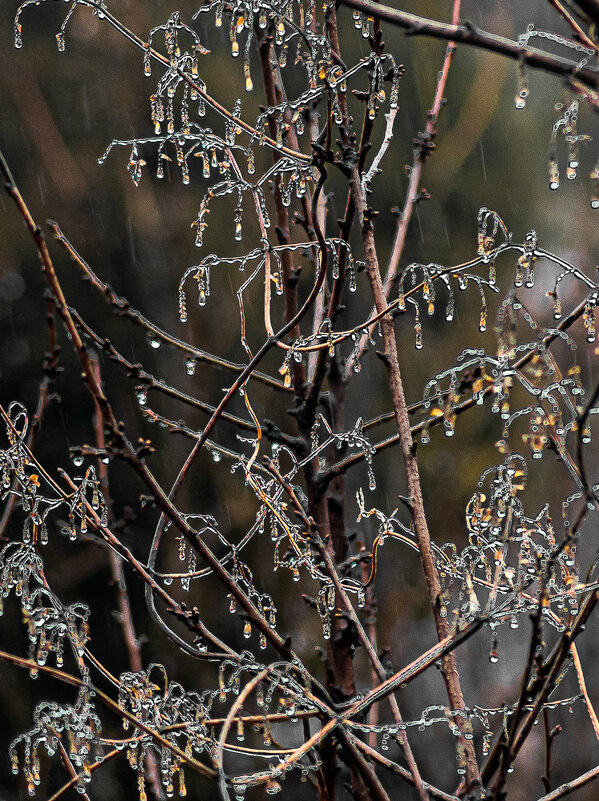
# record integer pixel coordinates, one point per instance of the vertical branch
(425, 145)
(116, 564)
(370, 610)
(424, 148)
(550, 735)
(378, 672)
(416, 501)
(274, 95)
(583, 689)
(118, 578)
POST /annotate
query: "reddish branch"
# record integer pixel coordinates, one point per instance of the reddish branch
(416, 501)
(425, 145)
(74, 681)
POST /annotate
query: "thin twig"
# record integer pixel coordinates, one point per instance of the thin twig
(470, 35)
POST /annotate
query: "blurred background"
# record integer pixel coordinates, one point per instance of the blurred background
(58, 114)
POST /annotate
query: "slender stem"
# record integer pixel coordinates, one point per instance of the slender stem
(123, 307)
(118, 577)
(236, 706)
(583, 689)
(425, 144)
(470, 35)
(574, 24)
(208, 99)
(416, 501)
(69, 765)
(470, 403)
(74, 681)
(45, 392)
(568, 787)
(398, 770)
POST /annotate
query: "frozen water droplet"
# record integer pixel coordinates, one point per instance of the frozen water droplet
(190, 365)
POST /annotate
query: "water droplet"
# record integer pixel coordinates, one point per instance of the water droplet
(154, 342)
(553, 175)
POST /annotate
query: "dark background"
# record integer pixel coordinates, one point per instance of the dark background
(58, 113)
